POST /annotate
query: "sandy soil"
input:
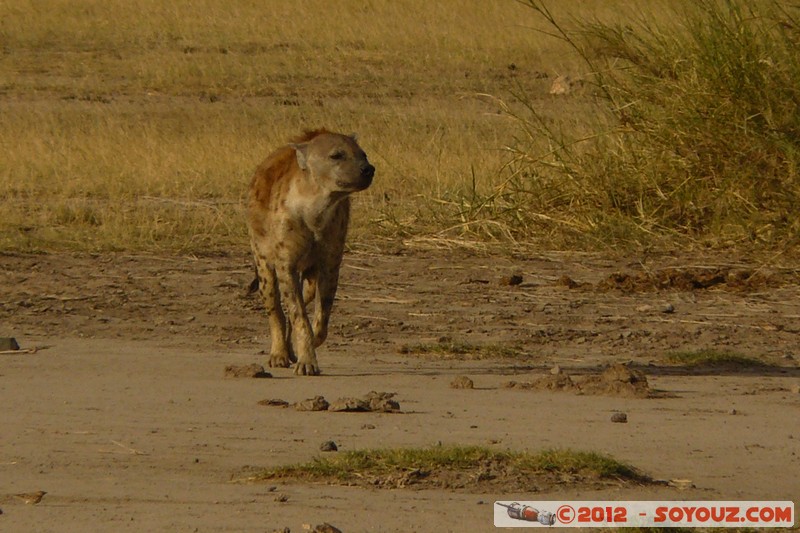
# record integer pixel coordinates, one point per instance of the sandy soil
(125, 418)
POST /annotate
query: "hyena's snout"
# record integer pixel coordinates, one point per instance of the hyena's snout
(367, 173)
(361, 178)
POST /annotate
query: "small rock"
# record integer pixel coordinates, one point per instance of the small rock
(8, 343)
(517, 385)
(667, 308)
(384, 405)
(31, 498)
(284, 530)
(561, 85)
(556, 370)
(646, 308)
(349, 405)
(374, 401)
(511, 281)
(681, 484)
(462, 382)
(560, 381)
(368, 426)
(248, 371)
(274, 402)
(317, 403)
(230, 282)
(372, 395)
(733, 412)
(795, 389)
(281, 498)
(326, 528)
(619, 418)
(566, 281)
(328, 446)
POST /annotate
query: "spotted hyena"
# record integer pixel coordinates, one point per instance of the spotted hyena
(298, 213)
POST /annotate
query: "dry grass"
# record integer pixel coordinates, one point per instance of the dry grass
(136, 125)
(692, 141)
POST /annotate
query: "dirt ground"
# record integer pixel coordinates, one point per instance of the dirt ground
(125, 418)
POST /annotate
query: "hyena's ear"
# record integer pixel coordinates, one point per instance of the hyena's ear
(354, 136)
(301, 151)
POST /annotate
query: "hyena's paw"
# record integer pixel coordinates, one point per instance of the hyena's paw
(280, 360)
(307, 368)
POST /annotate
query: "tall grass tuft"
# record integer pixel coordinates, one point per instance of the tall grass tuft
(691, 134)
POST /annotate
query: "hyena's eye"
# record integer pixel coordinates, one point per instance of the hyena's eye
(337, 155)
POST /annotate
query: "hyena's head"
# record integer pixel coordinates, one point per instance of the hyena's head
(336, 162)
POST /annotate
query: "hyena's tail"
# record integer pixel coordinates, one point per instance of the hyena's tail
(253, 288)
(309, 290)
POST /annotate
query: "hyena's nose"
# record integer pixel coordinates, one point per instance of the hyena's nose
(368, 171)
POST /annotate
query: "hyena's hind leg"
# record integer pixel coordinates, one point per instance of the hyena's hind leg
(280, 352)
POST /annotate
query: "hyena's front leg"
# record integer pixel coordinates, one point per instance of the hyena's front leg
(301, 337)
(327, 283)
(280, 354)
(328, 265)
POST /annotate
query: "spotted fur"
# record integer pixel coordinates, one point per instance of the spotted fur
(298, 213)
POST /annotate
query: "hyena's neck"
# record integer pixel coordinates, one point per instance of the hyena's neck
(314, 206)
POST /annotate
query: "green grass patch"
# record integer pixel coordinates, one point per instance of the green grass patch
(437, 463)
(462, 350)
(713, 358)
